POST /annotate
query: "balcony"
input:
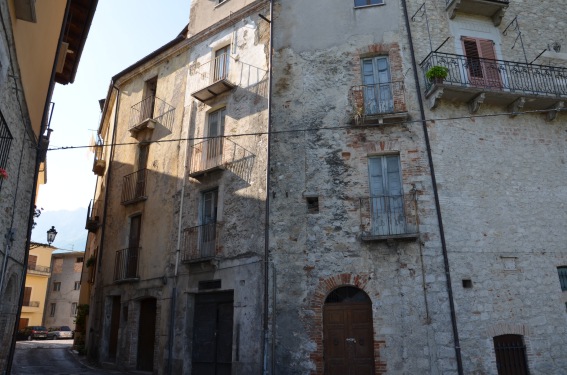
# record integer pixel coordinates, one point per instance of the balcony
(39, 270)
(378, 103)
(215, 154)
(99, 164)
(30, 304)
(126, 264)
(149, 112)
(94, 213)
(134, 187)
(498, 82)
(493, 9)
(389, 218)
(201, 243)
(218, 82)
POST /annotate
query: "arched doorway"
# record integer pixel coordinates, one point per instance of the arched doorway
(348, 332)
(147, 334)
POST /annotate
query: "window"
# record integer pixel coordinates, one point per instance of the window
(510, 355)
(480, 55)
(562, 271)
(77, 285)
(56, 286)
(74, 309)
(386, 196)
(79, 260)
(221, 63)
(5, 142)
(377, 85)
(52, 309)
(363, 3)
(32, 262)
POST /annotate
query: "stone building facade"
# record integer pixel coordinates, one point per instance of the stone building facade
(324, 206)
(61, 303)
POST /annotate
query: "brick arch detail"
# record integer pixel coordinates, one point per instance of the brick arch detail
(314, 317)
(504, 328)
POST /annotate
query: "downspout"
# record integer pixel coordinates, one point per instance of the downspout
(42, 130)
(267, 212)
(106, 199)
(177, 255)
(436, 196)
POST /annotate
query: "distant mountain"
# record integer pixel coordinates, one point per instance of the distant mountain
(70, 226)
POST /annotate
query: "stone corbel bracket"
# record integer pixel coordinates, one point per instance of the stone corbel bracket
(516, 107)
(475, 103)
(434, 96)
(554, 110)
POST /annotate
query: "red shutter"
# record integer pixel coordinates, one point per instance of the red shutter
(482, 70)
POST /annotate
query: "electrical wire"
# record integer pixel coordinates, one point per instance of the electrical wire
(273, 132)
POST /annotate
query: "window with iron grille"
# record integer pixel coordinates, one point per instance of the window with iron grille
(562, 271)
(510, 355)
(57, 287)
(5, 142)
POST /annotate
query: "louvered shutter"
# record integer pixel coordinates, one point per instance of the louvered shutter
(483, 71)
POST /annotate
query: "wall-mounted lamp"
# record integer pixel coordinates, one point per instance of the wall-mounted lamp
(51, 235)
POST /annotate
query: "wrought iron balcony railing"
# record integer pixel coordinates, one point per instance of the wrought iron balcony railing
(201, 242)
(134, 187)
(31, 303)
(94, 213)
(151, 108)
(218, 78)
(99, 164)
(498, 75)
(126, 264)
(215, 153)
(389, 217)
(378, 99)
(37, 268)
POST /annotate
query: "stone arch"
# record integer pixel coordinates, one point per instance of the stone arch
(313, 314)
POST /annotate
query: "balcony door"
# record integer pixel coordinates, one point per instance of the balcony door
(133, 247)
(377, 86)
(215, 132)
(208, 228)
(483, 70)
(386, 196)
(148, 104)
(221, 64)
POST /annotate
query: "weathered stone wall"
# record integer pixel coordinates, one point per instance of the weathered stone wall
(69, 274)
(321, 152)
(500, 181)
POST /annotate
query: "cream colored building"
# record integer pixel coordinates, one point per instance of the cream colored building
(37, 280)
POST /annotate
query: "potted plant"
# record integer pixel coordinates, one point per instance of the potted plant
(437, 74)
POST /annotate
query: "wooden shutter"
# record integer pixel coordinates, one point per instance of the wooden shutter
(32, 262)
(27, 295)
(483, 71)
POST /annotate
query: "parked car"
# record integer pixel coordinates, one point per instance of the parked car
(32, 332)
(61, 332)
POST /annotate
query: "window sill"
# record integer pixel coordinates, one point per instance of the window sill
(369, 6)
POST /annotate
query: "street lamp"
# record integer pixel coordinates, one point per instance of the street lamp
(51, 235)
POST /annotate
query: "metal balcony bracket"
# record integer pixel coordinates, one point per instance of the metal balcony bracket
(516, 107)
(433, 97)
(475, 103)
(147, 124)
(554, 110)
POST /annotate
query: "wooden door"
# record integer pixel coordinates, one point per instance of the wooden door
(212, 335)
(208, 233)
(32, 262)
(386, 196)
(377, 86)
(147, 334)
(27, 296)
(114, 326)
(348, 334)
(215, 144)
(482, 67)
(23, 323)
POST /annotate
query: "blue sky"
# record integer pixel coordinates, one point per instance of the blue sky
(122, 32)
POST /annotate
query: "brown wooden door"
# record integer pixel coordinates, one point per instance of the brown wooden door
(133, 247)
(147, 335)
(114, 326)
(27, 296)
(348, 338)
(483, 69)
(212, 335)
(32, 262)
(23, 323)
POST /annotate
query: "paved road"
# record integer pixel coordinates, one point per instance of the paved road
(51, 357)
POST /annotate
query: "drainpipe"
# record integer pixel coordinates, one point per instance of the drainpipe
(105, 209)
(436, 196)
(176, 273)
(42, 130)
(267, 213)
